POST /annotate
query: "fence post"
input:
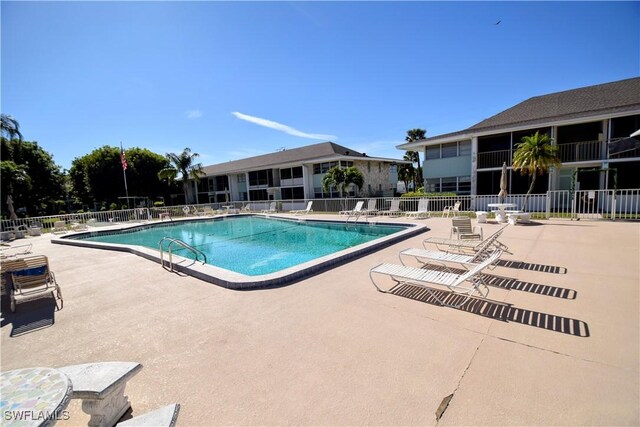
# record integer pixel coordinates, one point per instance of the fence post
(613, 206)
(573, 205)
(547, 214)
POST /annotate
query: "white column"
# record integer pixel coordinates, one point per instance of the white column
(553, 172)
(474, 166)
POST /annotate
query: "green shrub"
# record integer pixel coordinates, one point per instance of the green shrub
(423, 194)
(113, 207)
(158, 204)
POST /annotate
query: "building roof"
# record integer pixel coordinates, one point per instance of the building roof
(608, 98)
(304, 154)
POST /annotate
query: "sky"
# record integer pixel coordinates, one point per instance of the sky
(231, 80)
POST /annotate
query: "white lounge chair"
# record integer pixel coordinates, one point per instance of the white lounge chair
(470, 283)
(303, 211)
(448, 210)
(394, 208)
(484, 251)
(371, 207)
(464, 245)
(355, 211)
(462, 228)
(9, 251)
(59, 227)
(423, 210)
(208, 211)
(272, 208)
(79, 226)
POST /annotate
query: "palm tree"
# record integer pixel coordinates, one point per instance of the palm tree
(10, 127)
(411, 156)
(342, 178)
(416, 135)
(406, 173)
(182, 164)
(534, 156)
(333, 178)
(352, 175)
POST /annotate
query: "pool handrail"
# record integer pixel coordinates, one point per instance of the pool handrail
(180, 243)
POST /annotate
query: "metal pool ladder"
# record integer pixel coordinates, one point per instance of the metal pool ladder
(182, 244)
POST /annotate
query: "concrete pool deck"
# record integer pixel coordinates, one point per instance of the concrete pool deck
(331, 350)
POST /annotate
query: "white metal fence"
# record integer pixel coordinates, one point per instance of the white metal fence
(584, 204)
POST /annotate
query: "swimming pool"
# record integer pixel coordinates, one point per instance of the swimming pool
(245, 249)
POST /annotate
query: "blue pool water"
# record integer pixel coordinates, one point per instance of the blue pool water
(253, 245)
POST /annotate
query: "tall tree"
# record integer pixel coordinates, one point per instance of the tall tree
(97, 177)
(406, 173)
(534, 156)
(10, 127)
(30, 176)
(411, 157)
(182, 166)
(334, 178)
(352, 175)
(416, 134)
(339, 178)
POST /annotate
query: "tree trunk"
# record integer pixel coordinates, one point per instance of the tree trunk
(526, 197)
(185, 188)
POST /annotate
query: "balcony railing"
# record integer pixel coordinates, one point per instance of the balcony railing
(581, 151)
(493, 159)
(568, 153)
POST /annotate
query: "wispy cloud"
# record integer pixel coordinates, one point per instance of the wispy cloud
(282, 128)
(193, 114)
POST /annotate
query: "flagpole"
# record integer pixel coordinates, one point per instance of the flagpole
(123, 160)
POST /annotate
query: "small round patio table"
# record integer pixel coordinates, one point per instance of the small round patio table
(501, 215)
(34, 396)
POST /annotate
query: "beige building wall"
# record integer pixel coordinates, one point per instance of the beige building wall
(376, 177)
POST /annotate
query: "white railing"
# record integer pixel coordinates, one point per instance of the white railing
(583, 204)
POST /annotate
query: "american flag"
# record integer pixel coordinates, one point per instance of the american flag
(123, 159)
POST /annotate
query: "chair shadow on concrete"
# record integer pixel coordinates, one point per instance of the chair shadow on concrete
(30, 316)
(515, 284)
(521, 265)
(496, 310)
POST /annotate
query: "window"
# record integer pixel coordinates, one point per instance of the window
(432, 185)
(449, 185)
(464, 185)
(222, 183)
(465, 148)
(258, 195)
(291, 173)
(241, 177)
(433, 152)
(258, 178)
(449, 150)
(285, 173)
(292, 193)
(452, 149)
(379, 167)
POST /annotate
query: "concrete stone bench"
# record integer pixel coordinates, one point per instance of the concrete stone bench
(163, 417)
(515, 216)
(481, 216)
(101, 388)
